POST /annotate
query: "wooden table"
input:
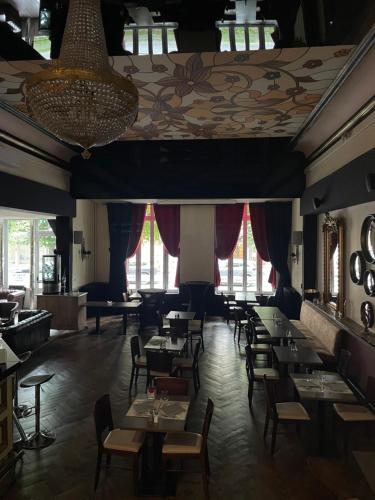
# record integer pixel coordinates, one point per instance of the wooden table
(282, 329)
(243, 297)
(138, 418)
(323, 389)
(303, 356)
(123, 308)
(183, 315)
(157, 343)
(269, 312)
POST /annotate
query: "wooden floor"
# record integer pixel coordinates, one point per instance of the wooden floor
(87, 366)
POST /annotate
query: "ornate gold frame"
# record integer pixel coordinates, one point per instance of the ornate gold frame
(339, 306)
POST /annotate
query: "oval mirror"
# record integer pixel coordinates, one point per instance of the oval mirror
(369, 282)
(368, 238)
(357, 267)
(367, 314)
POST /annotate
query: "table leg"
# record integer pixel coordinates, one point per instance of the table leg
(321, 427)
(124, 324)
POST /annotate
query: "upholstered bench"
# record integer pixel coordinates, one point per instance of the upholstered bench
(322, 334)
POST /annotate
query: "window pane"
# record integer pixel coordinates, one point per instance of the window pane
(239, 34)
(145, 256)
(268, 38)
(157, 45)
(42, 44)
(254, 38)
(172, 47)
(142, 41)
(172, 268)
(19, 252)
(251, 260)
(225, 43)
(158, 258)
(238, 264)
(223, 268)
(266, 269)
(128, 40)
(131, 273)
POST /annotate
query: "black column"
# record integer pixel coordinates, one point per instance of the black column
(310, 237)
(64, 243)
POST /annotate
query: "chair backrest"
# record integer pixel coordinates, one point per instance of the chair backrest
(160, 361)
(344, 362)
(134, 348)
(8, 310)
(196, 353)
(269, 388)
(249, 363)
(238, 313)
(102, 417)
(175, 386)
(207, 423)
(179, 326)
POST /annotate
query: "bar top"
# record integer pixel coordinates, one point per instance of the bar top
(12, 362)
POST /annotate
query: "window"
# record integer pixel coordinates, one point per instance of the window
(151, 266)
(239, 37)
(25, 241)
(155, 39)
(245, 271)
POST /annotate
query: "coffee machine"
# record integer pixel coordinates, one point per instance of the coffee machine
(51, 274)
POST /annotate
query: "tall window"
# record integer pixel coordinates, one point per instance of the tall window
(25, 241)
(238, 37)
(151, 266)
(245, 270)
(155, 39)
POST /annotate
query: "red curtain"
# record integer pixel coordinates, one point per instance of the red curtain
(227, 229)
(168, 221)
(138, 217)
(259, 229)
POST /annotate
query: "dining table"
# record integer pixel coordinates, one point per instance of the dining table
(295, 356)
(282, 329)
(322, 388)
(269, 312)
(172, 417)
(182, 315)
(171, 344)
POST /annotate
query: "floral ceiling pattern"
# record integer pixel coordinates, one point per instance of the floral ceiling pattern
(266, 93)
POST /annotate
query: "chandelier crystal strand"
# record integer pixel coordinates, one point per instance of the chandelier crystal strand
(80, 98)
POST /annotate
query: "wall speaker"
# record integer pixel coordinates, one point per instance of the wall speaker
(77, 237)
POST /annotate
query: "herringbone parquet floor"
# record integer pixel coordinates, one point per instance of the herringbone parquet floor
(87, 366)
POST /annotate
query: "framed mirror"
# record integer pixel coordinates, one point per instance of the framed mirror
(368, 238)
(334, 264)
(369, 283)
(367, 315)
(357, 267)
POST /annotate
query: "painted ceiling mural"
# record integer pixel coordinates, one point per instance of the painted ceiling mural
(266, 93)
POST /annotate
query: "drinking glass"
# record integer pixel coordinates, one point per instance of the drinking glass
(151, 391)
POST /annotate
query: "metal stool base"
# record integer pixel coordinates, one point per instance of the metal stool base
(23, 411)
(39, 440)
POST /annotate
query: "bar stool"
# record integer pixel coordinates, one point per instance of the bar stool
(39, 439)
(21, 410)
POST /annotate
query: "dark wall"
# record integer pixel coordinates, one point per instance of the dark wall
(362, 361)
(351, 185)
(17, 192)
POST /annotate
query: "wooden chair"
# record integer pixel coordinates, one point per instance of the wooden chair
(138, 362)
(7, 312)
(189, 445)
(195, 331)
(351, 414)
(259, 331)
(256, 374)
(240, 321)
(164, 328)
(173, 385)
(190, 364)
(123, 442)
(159, 364)
(290, 412)
(264, 348)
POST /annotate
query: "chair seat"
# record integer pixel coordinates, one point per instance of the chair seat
(261, 328)
(124, 440)
(195, 326)
(270, 373)
(141, 362)
(354, 413)
(155, 373)
(291, 411)
(183, 443)
(37, 380)
(243, 322)
(257, 348)
(183, 362)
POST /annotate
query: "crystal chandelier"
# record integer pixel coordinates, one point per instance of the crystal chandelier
(81, 99)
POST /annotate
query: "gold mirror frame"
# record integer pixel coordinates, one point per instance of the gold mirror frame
(330, 225)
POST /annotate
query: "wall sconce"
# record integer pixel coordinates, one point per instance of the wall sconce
(297, 240)
(78, 239)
